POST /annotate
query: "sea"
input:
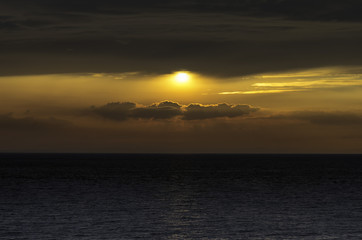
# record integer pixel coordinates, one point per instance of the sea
(180, 196)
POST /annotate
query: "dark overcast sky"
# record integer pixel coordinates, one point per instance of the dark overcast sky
(225, 38)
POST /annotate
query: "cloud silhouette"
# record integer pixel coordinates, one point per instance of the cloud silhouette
(199, 111)
(115, 110)
(167, 109)
(163, 110)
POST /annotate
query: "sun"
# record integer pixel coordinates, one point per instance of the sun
(182, 77)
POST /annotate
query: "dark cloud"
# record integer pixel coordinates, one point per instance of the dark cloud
(321, 10)
(221, 58)
(163, 110)
(115, 110)
(167, 110)
(122, 111)
(347, 10)
(227, 38)
(198, 111)
(169, 104)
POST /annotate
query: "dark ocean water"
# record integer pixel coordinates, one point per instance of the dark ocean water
(80, 196)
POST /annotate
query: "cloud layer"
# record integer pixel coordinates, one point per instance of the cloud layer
(214, 128)
(167, 109)
(224, 38)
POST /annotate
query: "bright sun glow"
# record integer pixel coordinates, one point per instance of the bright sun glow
(182, 77)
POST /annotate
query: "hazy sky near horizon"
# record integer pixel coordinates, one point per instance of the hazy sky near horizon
(261, 76)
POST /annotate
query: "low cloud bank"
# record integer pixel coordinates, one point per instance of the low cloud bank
(120, 111)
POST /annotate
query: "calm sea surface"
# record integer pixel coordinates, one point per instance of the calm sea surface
(80, 196)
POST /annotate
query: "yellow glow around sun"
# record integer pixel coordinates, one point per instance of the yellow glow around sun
(182, 77)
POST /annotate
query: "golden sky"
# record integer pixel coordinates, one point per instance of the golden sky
(302, 111)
